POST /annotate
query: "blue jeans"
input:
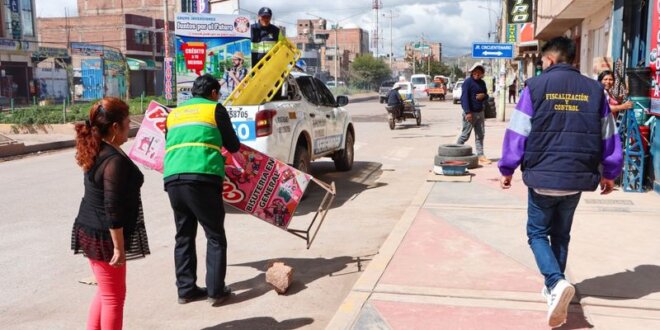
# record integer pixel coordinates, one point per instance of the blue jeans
(550, 216)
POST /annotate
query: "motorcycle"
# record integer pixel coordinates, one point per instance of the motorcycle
(410, 111)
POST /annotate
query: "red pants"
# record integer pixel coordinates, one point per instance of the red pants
(107, 309)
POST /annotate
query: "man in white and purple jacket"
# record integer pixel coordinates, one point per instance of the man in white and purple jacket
(565, 140)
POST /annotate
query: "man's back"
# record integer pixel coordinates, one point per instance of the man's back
(564, 146)
(394, 98)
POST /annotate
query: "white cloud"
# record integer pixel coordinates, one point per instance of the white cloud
(454, 23)
(50, 8)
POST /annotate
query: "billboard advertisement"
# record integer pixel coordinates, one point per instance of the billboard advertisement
(209, 43)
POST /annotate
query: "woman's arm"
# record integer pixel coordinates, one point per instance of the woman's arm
(621, 107)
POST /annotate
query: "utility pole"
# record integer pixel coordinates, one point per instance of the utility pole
(391, 16)
(501, 115)
(336, 53)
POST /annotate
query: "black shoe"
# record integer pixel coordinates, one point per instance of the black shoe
(217, 301)
(197, 295)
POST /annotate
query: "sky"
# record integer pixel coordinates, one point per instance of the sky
(454, 23)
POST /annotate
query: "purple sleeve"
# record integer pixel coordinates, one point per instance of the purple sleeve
(515, 138)
(612, 155)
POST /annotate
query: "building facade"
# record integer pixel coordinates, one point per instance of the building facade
(18, 36)
(423, 50)
(139, 38)
(149, 8)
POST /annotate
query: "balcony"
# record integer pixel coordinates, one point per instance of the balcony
(554, 17)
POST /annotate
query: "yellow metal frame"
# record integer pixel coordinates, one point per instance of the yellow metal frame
(265, 78)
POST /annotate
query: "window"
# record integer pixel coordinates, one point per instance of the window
(307, 88)
(142, 37)
(26, 17)
(325, 96)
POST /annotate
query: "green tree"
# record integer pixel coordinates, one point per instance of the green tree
(368, 72)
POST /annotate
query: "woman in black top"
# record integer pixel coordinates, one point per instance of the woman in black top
(109, 227)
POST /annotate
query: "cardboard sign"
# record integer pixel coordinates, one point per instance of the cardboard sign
(255, 183)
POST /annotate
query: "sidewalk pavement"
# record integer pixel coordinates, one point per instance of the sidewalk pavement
(459, 259)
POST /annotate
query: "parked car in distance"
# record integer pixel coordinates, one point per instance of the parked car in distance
(456, 92)
(331, 83)
(385, 88)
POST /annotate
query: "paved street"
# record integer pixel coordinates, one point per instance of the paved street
(40, 197)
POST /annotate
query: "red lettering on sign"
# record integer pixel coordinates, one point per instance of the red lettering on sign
(231, 193)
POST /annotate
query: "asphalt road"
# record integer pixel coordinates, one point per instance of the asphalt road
(40, 195)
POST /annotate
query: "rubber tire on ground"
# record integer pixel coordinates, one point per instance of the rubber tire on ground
(419, 118)
(454, 150)
(344, 158)
(390, 121)
(472, 160)
(301, 159)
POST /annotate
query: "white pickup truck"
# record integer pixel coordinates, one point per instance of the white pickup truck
(302, 123)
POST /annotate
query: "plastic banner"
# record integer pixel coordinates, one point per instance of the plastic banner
(255, 183)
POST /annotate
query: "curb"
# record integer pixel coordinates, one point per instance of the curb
(363, 99)
(349, 310)
(20, 149)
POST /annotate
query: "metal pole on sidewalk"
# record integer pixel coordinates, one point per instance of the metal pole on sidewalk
(501, 114)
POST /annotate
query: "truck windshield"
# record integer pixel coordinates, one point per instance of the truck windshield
(419, 81)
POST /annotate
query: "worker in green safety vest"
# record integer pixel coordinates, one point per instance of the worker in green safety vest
(264, 35)
(194, 171)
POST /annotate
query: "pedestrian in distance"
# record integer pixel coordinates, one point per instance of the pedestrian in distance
(264, 35)
(512, 90)
(395, 101)
(236, 73)
(194, 171)
(565, 140)
(109, 228)
(474, 94)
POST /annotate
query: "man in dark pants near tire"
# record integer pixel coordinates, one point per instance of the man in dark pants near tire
(473, 96)
(197, 130)
(565, 140)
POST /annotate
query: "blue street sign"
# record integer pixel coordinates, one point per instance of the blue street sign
(491, 50)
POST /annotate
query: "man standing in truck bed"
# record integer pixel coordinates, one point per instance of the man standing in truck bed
(264, 35)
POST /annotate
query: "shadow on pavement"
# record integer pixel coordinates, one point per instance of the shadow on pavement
(635, 284)
(576, 319)
(305, 271)
(263, 323)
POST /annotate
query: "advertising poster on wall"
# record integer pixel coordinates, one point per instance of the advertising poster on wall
(654, 59)
(209, 43)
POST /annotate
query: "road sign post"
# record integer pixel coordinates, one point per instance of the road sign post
(492, 50)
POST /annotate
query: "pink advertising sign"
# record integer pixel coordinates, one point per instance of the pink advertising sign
(149, 146)
(254, 182)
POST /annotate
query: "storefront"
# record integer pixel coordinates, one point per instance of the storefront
(16, 82)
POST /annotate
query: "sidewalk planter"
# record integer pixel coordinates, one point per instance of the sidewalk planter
(454, 168)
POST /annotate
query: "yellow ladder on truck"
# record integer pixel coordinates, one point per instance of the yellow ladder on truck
(265, 78)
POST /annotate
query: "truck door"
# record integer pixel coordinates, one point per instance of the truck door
(318, 121)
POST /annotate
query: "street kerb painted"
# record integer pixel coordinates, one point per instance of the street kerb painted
(255, 183)
(492, 50)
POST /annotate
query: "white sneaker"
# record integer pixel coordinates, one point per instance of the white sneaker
(558, 300)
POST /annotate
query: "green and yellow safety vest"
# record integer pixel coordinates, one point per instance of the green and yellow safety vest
(194, 143)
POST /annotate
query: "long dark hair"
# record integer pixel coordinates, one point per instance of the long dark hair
(604, 74)
(91, 132)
